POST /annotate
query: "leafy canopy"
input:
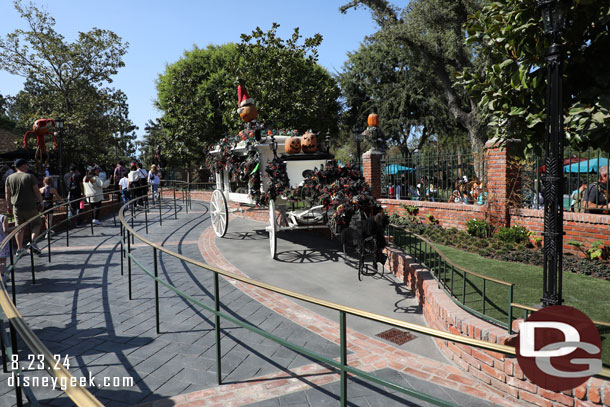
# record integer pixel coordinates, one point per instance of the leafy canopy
(198, 94)
(66, 79)
(510, 83)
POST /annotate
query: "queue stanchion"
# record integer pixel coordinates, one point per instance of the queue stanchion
(122, 248)
(12, 260)
(175, 208)
(129, 262)
(132, 220)
(68, 224)
(146, 218)
(113, 205)
(156, 290)
(15, 351)
(32, 253)
(159, 202)
(49, 235)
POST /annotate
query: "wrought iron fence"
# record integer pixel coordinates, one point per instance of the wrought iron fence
(582, 189)
(459, 176)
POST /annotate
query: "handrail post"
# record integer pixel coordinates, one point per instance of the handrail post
(452, 278)
(129, 262)
(510, 309)
(159, 202)
(3, 346)
(122, 248)
(67, 225)
(91, 209)
(132, 220)
(49, 235)
(217, 329)
(118, 202)
(175, 209)
(343, 341)
(464, 287)
(31, 253)
(484, 286)
(156, 289)
(146, 218)
(12, 259)
(15, 351)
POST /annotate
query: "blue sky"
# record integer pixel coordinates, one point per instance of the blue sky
(158, 32)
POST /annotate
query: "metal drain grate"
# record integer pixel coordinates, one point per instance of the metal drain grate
(396, 336)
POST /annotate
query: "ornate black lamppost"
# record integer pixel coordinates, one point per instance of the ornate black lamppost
(59, 125)
(554, 16)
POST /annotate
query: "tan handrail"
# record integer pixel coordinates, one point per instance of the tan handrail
(527, 307)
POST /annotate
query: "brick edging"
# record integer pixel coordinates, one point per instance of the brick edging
(501, 372)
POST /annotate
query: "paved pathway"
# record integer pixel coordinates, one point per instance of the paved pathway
(80, 307)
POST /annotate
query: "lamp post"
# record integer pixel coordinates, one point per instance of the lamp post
(359, 137)
(59, 125)
(554, 16)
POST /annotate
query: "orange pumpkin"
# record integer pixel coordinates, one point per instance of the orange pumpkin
(292, 145)
(248, 113)
(373, 120)
(309, 144)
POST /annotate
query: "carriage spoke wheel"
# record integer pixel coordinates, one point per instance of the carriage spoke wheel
(219, 213)
(272, 229)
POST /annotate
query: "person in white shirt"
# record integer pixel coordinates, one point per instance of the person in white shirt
(144, 185)
(134, 182)
(124, 185)
(154, 180)
(94, 191)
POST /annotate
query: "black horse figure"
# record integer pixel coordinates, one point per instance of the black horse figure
(367, 235)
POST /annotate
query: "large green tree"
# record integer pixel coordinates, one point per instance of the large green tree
(197, 95)
(510, 82)
(431, 34)
(384, 78)
(66, 79)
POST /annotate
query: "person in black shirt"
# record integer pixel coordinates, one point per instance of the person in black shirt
(597, 193)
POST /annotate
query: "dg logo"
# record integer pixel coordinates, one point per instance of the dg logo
(559, 348)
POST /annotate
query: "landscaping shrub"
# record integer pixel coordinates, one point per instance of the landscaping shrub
(479, 228)
(514, 234)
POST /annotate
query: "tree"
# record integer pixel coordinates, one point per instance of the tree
(387, 79)
(291, 90)
(198, 93)
(66, 79)
(432, 30)
(510, 81)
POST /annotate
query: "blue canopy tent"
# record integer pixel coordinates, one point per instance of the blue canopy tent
(590, 166)
(395, 169)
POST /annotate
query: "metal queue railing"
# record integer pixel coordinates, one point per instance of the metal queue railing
(10, 315)
(128, 235)
(447, 273)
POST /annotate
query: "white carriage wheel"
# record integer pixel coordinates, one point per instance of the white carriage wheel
(272, 229)
(219, 213)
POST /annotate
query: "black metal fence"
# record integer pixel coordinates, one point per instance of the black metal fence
(582, 189)
(456, 176)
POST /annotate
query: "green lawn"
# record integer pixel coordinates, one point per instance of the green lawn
(590, 295)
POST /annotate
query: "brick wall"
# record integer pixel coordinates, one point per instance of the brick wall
(586, 228)
(449, 215)
(501, 373)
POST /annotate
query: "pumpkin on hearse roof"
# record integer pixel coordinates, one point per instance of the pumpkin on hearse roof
(309, 142)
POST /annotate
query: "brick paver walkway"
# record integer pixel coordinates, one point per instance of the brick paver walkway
(80, 307)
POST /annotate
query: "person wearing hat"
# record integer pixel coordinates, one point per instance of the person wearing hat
(23, 199)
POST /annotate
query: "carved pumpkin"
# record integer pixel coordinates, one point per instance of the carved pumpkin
(248, 113)
(373, 120)
(309, 144)
(292, 145)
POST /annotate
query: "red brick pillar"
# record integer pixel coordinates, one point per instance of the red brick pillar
(503, 180)
(371, 168)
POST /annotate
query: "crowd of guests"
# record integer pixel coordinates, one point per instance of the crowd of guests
(26, 194)
(463, 191)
